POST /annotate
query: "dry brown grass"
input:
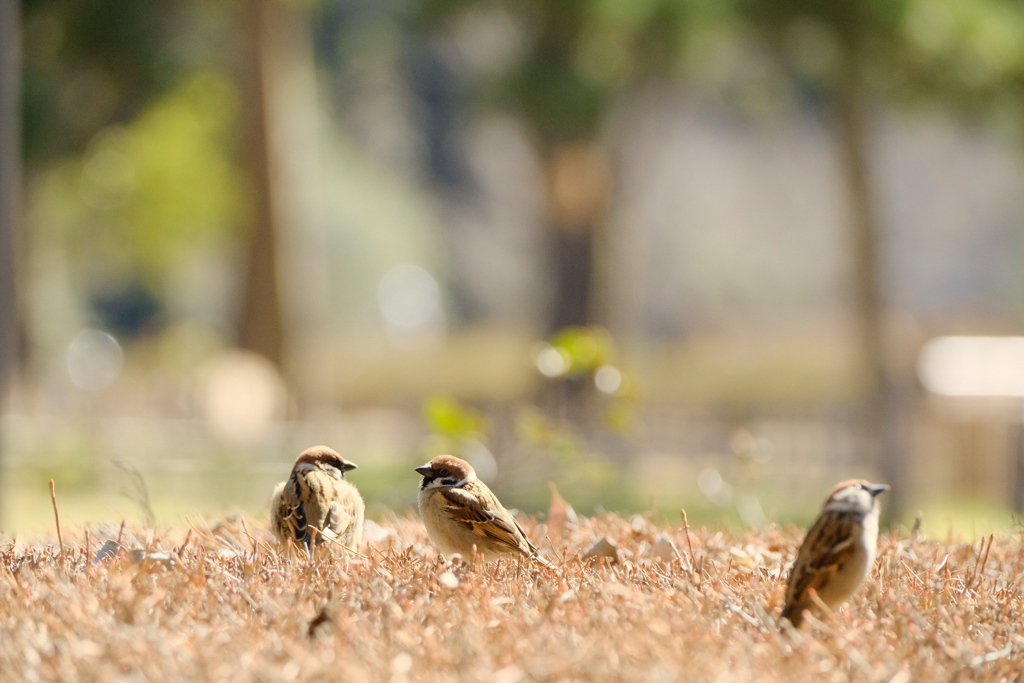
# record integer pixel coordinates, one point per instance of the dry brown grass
(233, 608)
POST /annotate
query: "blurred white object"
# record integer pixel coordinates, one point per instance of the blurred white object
(480, 457)
(751, 512)
(550, 361)
(608, 379)
(410, 302)
(602, 547)
(242, 396)
(711, 484)
(94, 360)
(664, 549)
(973, 366)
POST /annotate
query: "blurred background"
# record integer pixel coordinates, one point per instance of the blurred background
(664, 253)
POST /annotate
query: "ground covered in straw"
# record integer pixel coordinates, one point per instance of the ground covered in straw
(222, 603)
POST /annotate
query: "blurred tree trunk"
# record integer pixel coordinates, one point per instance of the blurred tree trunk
(10, 193)
(578, 177)
(579, 181)
(885, 410)
(261, 328)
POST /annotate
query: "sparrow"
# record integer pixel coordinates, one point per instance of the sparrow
(838, 552)
(462, 515)
(316, 494)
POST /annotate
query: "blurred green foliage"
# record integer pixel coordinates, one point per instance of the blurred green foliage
(148, 196)
(586, 357)
(188, 184)
(446, 417)
(88, 65)
(131, 108)
(967, 55)
(584, 349)
(578, 55)
(131, 114)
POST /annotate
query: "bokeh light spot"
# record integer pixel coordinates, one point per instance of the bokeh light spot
(550, 361)
(409, 298)
(608, 379)
(481, 458)
(242, 397)
(94, 360)
(973, 366)
(711, 484)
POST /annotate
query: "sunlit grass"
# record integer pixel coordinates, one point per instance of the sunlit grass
(221, 601)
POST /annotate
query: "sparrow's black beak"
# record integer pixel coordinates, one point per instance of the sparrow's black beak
(347, 466)
(425, 470)
(875, 489)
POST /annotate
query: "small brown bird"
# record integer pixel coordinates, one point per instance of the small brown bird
(461, 513)
(838, 552)
(316, 494)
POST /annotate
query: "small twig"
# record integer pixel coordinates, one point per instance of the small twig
(980, 561)
(56, 516)
(390, 559)
(121, 533)
(140, 494)
(338, 543)
(736, 609)
(981, 570)
(252, 540)
(993, 656)
(181, 548)
(1009, 598)
(267, 549)
(686, 529)
(818, 624)
(554, 550)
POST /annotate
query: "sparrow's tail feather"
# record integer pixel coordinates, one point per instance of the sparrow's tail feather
(540, 560)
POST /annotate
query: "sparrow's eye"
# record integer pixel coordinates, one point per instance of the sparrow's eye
(445, 473)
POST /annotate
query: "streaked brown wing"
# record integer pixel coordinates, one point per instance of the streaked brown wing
(495, 524)
(292, 513)
(828, 547)
(522, 533)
